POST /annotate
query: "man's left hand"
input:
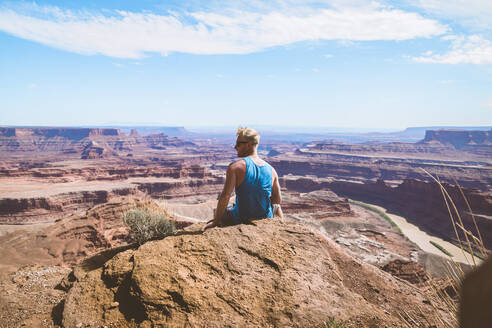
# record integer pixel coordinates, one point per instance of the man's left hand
(210, 224)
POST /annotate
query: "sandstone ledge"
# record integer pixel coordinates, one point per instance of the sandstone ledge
(264, 274)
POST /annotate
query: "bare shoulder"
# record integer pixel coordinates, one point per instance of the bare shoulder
(274, 173)
(237, 165)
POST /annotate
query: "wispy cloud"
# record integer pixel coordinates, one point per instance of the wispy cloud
(328, 56)
(472, 49)
(124, 34)
(32, 85)
(475, 13)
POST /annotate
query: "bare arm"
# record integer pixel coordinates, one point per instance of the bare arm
(276, 197)
(224, 197)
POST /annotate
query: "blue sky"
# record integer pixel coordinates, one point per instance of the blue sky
(352, 63)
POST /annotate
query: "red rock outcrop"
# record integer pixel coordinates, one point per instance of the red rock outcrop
(181, 182)
(260, 275)
(93, 151)
(420, 202)
(459, 138)
(74, 140)
(64, 132)
(407, 270)
(71, 238)
(382, 148)
(49, 209)
(321, 203)
(368, 169)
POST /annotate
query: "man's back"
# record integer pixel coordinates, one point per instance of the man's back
(255, 181)
(253, 191)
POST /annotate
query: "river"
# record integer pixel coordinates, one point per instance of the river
(422, 239)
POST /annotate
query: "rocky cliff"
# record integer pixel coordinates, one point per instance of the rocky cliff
(368, 169)
(51, 208)
(421, 202)
(264, 274)
(69, 133)
(76, 140)
(459, 138)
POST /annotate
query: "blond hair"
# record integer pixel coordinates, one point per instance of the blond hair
(249, 133)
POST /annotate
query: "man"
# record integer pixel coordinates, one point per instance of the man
(256, 184)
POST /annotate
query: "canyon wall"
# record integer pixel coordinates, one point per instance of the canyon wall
(365, 170)
(459, 138)
(156, 182)
(420, 202)
(76, 140)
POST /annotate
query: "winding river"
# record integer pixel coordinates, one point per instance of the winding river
(422, 239)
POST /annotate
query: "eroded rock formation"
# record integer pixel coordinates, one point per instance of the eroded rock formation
(78, 140)
(459, 138)
(264, 274)
(70, 239)
(421, 202)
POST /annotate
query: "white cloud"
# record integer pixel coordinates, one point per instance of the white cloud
(315, 70)
(32, 85)
(328, 56)
(472, 49)
(124, 34)
(476, 13)
(117, 64)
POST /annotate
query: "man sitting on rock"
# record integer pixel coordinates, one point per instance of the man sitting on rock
(256, 183)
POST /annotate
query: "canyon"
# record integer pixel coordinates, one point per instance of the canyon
(63, 192)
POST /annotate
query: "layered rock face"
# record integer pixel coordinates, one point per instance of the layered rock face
(70, 239)
(49, 209)
(69, 133)
(76, 140)
(475, 142)
(421, 202)
(319, 204)
(369, 169)
(92, 151)
(267, 273)
(91, 186)
(459, 138)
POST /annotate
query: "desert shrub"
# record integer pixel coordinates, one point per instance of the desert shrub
(333, 323)
(445, 306)
(145, 225)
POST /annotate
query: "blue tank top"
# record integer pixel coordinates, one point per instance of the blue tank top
(253, 194)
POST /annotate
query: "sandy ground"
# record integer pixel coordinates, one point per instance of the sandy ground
(422, 239)
(8, 228)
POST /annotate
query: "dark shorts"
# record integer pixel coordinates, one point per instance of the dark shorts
(228, 218)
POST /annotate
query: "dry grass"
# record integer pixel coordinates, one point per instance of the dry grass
(444, 300)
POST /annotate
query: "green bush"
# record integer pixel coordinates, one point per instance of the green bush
(332, 323)
(145, 225)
